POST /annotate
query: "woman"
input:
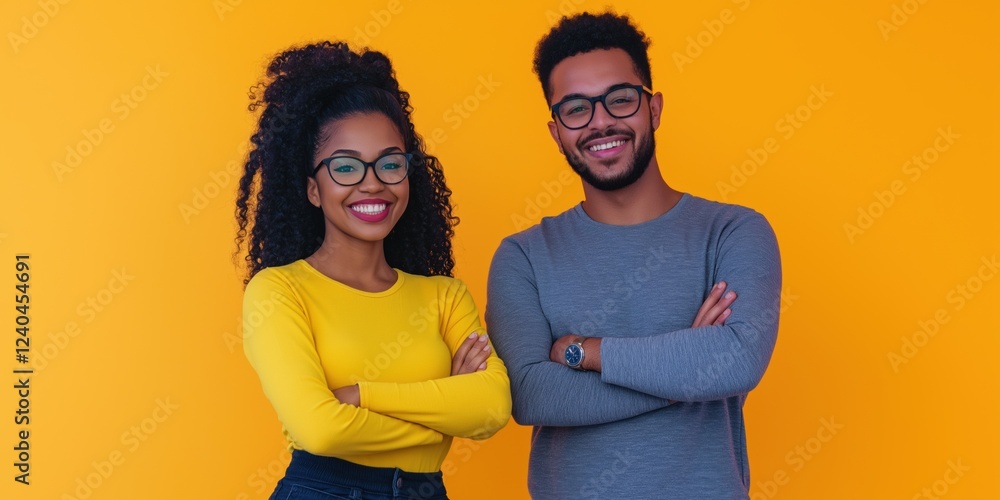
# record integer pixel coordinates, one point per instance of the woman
(371, 354)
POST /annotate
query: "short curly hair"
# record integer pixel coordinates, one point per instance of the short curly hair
(306, 88)
(586, 32)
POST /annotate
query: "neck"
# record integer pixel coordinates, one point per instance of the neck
(644, 200)
(358, 264)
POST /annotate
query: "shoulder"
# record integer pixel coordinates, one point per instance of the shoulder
(725, 217)
(541, 233)
(278, 279)
(737, 231)
(705, 207)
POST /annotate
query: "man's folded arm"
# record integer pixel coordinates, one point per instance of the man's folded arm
(711, 362)
(544, 392)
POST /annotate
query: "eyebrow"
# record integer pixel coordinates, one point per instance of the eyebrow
(352, 152)
(577, 95)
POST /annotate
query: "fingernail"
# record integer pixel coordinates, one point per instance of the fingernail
(730, 295)
(472, 335)
(718, 285)
(486, 347)
(482, 366)
(482, 338)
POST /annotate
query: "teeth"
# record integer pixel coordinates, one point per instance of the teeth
(369, 209)
(608, 145)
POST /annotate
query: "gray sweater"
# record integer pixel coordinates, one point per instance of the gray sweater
(664, 419)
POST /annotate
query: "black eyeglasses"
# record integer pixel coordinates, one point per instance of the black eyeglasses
(620, 102)
(389, 168)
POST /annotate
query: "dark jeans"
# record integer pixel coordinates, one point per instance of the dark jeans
(312, 477)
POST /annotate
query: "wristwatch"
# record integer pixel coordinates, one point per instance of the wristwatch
(574, 354)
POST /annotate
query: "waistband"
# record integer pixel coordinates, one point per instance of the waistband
(383, 480)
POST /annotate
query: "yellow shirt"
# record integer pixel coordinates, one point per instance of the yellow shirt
(306, 334)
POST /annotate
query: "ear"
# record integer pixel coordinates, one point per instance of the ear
(554, 131)
(656, 107)
(312, 191)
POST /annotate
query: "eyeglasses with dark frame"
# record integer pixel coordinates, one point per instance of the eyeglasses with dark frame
(390, 168)
(621, 101)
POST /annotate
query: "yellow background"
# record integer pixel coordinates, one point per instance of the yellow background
(907, 407)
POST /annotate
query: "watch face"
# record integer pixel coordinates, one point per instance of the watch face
(573, 355)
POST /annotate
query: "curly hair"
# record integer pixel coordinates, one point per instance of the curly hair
(585, 32)
(306, 88)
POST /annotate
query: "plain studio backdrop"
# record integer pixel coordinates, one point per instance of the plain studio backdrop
(865, 131)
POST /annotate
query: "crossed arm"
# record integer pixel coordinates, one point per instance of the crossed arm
(282, 352)
(474, 402)
(634, 375)
(713, 311)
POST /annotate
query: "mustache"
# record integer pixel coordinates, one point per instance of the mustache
(605, 133)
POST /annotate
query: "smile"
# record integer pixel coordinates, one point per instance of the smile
(606, 145)
(369, 208)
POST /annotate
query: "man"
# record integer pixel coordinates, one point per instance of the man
(592, 309)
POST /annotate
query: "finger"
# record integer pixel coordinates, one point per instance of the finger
(711, 300)
(465, 363)
(478, 358)
(462, 352)
(476, 355)
(722, 317)
(713, 314)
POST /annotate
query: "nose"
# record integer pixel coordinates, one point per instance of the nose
(602, 118)
(371, 182)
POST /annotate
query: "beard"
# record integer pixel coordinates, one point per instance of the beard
(642, 155)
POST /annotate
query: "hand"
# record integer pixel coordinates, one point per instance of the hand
(715, 310)
(471, 355)
(349, 395)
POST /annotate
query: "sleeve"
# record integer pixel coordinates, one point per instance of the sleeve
(279, 345)
(712, 362)
(545, 392)
(472, 405)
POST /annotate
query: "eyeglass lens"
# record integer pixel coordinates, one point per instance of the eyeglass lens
(390, 169)
(620, 103)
